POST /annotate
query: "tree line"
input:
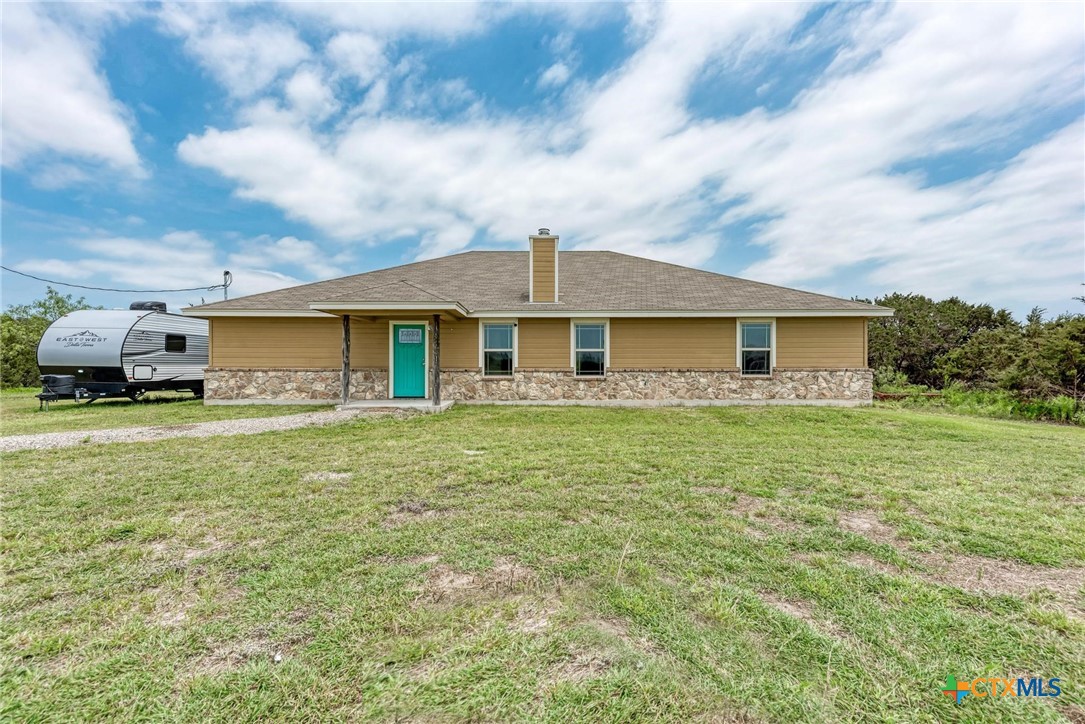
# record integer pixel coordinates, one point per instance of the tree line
(21, 328)
(939, 344)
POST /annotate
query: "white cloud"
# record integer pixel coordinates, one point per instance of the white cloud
(56, 102)
(949, 78)
(556, 75)
(386, 179)
(625, 165)
(245, 55)
(428, 19)
(51, 177)
(309, 94)
(177, 260)
(289, 251)
(358, 55)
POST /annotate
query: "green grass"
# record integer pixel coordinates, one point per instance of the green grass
(1000, 404)
(19, 413)
(551, 564)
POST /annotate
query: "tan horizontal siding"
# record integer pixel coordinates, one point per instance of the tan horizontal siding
(459, 344)
(256, 342)
(672, 343)
(368, 343)
(543, 270)
(543, 344)
(821, 342)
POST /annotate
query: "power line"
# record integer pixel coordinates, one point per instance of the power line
(227, 276)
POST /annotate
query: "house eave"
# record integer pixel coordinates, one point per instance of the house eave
(206, 313)
(872, 312)
(334, 309)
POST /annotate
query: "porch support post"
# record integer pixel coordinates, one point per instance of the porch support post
(436, 384)
(346, 359)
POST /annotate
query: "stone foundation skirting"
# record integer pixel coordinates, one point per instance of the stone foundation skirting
(854, 386)
(284, 385)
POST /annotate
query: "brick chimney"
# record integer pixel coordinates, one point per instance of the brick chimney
(543, 267)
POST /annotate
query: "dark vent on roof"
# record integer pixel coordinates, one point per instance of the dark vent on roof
(148, 306)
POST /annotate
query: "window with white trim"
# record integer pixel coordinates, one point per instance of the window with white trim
(590, 354)
(497, 340)
(756, 349)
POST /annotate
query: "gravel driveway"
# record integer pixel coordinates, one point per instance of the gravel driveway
(246, 426)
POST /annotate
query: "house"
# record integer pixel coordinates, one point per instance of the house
(539, 326)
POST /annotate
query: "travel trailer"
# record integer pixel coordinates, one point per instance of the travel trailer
(95, 353)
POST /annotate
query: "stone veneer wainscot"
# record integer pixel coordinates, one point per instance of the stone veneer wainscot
(232, 383)
(853, 385)
(848, 385)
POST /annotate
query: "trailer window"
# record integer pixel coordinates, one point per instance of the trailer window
(175, 343)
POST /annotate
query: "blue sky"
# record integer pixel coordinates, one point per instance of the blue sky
(849, 149)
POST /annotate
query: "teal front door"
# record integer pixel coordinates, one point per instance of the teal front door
(408, 360)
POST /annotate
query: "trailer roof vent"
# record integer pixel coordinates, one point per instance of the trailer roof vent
(148, 306)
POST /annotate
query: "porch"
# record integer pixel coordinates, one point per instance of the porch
(414, 345)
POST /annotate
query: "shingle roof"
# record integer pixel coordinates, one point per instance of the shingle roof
(497, 281)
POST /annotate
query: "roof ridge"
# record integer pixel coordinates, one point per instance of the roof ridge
(740, 279)
(334, 279)
(384, 284)
(427, 291)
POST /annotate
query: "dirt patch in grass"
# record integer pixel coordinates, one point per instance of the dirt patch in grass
(867, 525)
(710, 490)
(173, 610)
(581, 667)
(613, 627)
(169, 552)
(326, 477)
(968, 572)
(535, 617)
(973, 573)
(589, 663)
(174, 606)
(412, 511)
(506, 578)
(804, 611)
(619, 629)
(1074, 713)
(226, 657)
(259, 644)
(750, 508)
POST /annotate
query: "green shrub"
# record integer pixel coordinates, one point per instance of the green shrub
(21, 328)
(1000, 404)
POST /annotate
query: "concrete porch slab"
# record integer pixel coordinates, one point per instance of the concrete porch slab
(424, 406)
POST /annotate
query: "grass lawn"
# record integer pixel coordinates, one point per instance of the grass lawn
(555, 564)
(19, 414)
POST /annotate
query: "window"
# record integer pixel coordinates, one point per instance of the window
(756, 348)
(590, 349)
(175, 343)
(497, 350)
